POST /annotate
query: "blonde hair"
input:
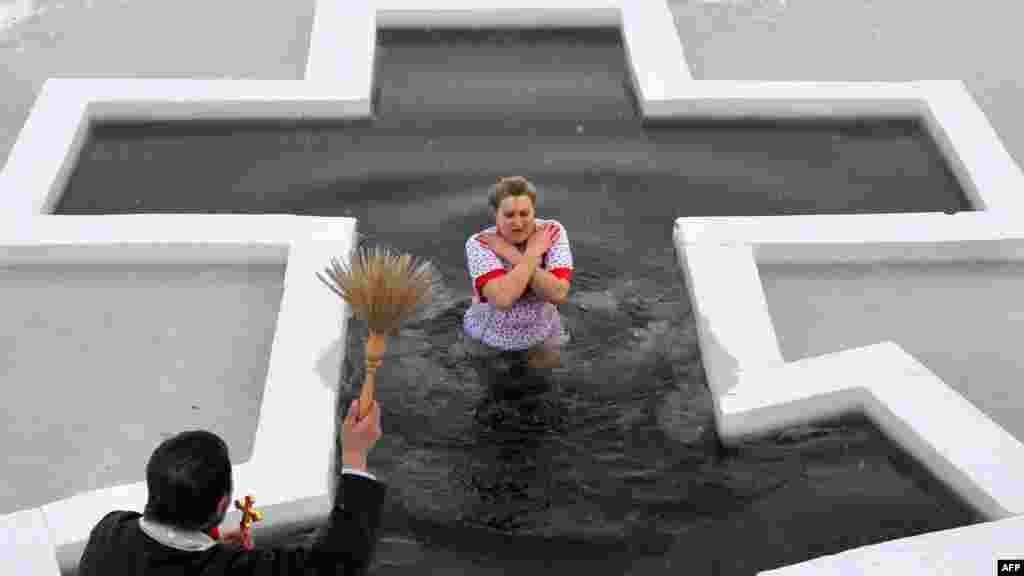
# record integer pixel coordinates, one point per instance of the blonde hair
(511, 186)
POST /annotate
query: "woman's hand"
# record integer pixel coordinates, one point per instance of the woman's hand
(239, 537)
(501, 247)
(542, 239)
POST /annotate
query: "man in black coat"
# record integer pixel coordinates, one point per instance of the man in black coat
(189, 482)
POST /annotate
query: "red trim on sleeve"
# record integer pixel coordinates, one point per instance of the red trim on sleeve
(485, 279)
(562, 273)
(215, 533)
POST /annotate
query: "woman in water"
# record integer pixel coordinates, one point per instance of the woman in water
(521, 269)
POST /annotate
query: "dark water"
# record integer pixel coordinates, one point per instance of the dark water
(611, 464)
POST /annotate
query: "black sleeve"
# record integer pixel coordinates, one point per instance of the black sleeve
(347, 546)
(352, 527)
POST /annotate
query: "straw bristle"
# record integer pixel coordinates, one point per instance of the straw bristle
(384, 289)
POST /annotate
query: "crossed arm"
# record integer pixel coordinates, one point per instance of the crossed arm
(548, 286)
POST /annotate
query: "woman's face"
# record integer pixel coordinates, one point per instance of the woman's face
(515, 219)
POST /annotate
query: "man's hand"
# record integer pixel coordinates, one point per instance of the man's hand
(359, 436)
(239, 537)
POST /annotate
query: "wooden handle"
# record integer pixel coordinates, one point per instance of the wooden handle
(375, 346)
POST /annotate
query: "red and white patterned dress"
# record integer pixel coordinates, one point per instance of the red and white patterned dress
(531, 320)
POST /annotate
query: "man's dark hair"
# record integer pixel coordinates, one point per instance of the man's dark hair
(187, 475)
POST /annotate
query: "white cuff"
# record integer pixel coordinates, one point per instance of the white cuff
(358, 473)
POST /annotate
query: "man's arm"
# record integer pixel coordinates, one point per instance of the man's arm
(347, 547)
(352, 529)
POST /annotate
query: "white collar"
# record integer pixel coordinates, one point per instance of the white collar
(185, 540)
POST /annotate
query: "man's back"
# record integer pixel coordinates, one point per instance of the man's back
(119, 545)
